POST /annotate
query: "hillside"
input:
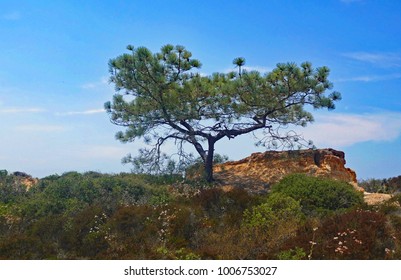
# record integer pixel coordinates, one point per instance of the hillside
(257, 209)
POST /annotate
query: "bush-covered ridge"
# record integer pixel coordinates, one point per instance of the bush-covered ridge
(390, 185)
(128, 216)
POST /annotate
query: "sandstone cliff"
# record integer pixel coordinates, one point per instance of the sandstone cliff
(24, 180)
(260, 170)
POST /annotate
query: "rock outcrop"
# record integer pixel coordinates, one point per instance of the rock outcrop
(25, 180)
(260, 170)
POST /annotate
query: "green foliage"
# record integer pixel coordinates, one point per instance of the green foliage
(161, 97)
(21, 247)
(292, 254)
(273, 212)
(3, 173)
(389, 185)
(160, 196)
(318, 196)
(357, 234)
(180, 254)
(271, 224)
(11, 189)
(129, 216)
(393, 184)
(373, 185)
(221, 206)
(72, 192)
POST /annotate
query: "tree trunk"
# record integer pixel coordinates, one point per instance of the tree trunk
(208, 163)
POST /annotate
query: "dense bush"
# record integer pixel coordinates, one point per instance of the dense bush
(374, 185)
(357, 234)
(224, 206)
(389, 185)
(128, 216)
(270, 215)
(270, 224)
(318, 196)
(11, 189)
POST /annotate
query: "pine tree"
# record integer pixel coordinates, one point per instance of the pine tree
(161, 97)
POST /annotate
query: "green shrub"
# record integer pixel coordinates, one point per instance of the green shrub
(292, 254)
(270, 224)
(159, 196)
(274, 211)
(225, 207)
(373, 185)
(353, 235)
(358, 234)
(3, 173)
(318, 196)
(21, 247)
(11, 189)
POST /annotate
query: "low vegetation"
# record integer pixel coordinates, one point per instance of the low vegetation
(390, 185)
(128, 216)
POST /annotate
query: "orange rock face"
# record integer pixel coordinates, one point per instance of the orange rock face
(29, 182)
(260, 170)
(25, 180)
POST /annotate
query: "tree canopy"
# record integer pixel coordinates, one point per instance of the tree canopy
(162, 96)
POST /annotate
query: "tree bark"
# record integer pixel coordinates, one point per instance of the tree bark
(208, 163)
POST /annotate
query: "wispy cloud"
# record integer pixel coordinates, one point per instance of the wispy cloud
(104, 151)
(104, 81)
(86, 112)
(39, 128)
(16, 110)
(260, 69)
(11, 16)
(341, 130)
(370, 78)
(382, 59)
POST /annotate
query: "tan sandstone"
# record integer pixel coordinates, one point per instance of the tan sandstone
(260, 170)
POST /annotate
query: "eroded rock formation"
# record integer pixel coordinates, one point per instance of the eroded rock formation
(260, 170)
(25, 180)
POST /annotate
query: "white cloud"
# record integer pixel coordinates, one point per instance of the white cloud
(260, 69)
(104, 81)
(104, 152)
(16, 110)
(341, 130)
(382, 59)
(39, 128)
(371, 78)
(86, 112)
(12, 16)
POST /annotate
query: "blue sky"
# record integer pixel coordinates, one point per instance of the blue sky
(54, 73)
